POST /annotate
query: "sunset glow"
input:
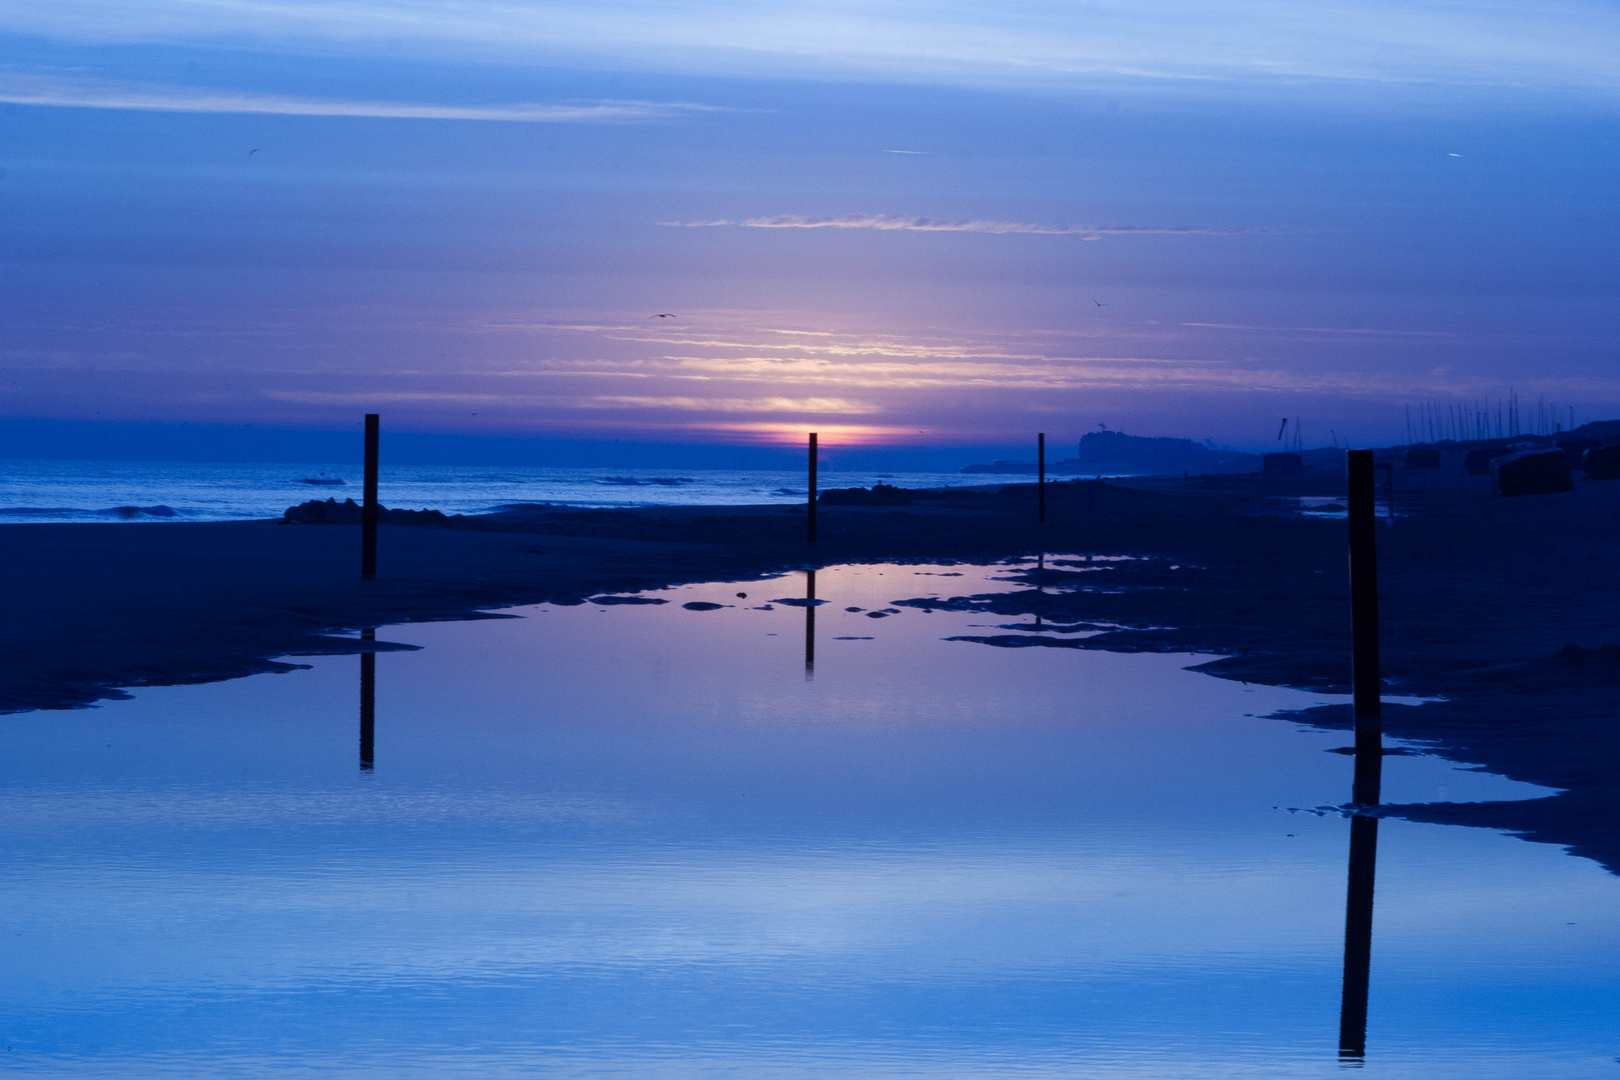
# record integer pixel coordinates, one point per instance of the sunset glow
(538, 221)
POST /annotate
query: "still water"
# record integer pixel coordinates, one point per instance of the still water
(647, 840)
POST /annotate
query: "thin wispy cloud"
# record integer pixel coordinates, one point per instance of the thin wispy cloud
(815, 406)
(893, 223)
(1324, 330)
(26, 89)
(1459, 42)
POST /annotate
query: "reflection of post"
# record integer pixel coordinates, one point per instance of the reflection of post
(368, 702)
(810, 624)
(810, 508)
(1040, 590)
(1358, 910)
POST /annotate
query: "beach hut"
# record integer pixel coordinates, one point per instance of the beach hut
(1422, 457)
(1281, 464)
(1532, 472)
(1478, 462)
(1602, 462)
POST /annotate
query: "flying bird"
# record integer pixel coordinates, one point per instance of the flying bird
(665, 315)
(255, 150)
(1099, 303)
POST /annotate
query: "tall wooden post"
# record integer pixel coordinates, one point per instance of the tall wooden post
(810, 508)
(1366, 684)
(1040, 483)
(368, 513)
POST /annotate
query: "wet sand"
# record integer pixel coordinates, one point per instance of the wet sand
(1480, 599)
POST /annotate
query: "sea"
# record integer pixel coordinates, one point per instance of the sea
(151, 491)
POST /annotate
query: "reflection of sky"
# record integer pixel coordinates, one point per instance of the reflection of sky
(638, 837)
(464, 215)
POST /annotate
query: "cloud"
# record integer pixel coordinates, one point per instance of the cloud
(820, 405)
(1327, 330)
(892, 223)
(1458, 42)
(25, 89)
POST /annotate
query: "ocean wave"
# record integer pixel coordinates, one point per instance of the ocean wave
(128, 513)
(662, 481)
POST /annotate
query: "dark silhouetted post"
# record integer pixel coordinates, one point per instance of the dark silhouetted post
(1358, 907)
(1040, 482)
(1365, 681)
(368, 702)
(368, 513)
(810, 509)
(810, 623)
(1366, 686)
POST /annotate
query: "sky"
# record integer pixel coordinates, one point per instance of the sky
(898, 224)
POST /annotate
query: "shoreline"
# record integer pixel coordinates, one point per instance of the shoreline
(1479, 599)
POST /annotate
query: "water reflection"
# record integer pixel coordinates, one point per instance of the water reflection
(810, 624)
(658, 852)
(1358, 906)
(1040, 588)
(368, 703)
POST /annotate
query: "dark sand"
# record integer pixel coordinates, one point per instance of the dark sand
(1481, 596)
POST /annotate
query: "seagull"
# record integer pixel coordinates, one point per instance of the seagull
(1099, 303)
(664, 315)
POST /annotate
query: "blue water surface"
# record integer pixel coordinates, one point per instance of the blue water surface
(134, 491)
(645, 840)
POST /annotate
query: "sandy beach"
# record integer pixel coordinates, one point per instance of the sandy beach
(1504, 607)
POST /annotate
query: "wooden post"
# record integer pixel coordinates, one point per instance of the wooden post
(1366, 684)
(810, 509)
(368, 513)
(1366, 687)
(1040, 483)
(368, 703)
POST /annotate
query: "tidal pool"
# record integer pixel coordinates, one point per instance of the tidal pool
(645, 840)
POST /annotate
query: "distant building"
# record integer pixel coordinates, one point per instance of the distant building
(1114, 453)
